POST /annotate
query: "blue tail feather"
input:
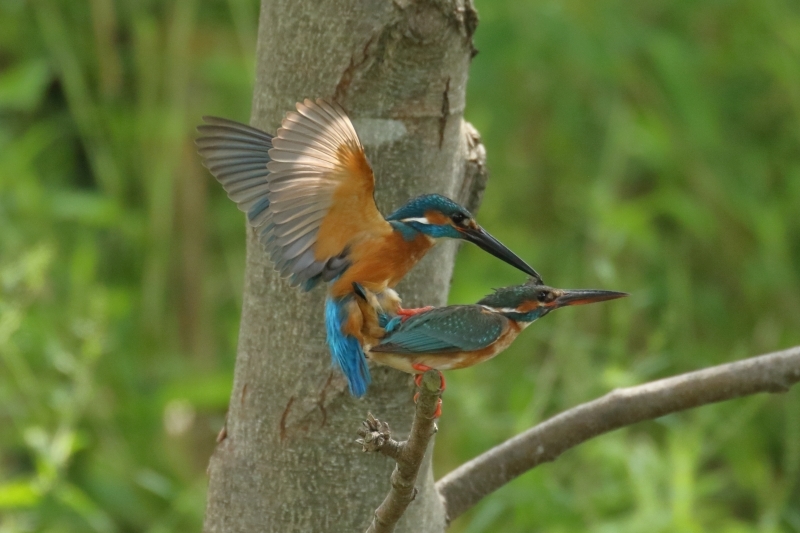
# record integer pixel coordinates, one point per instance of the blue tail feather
(345, 349)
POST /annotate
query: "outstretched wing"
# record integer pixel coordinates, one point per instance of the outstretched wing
(308, 190)
(237, 155)
(320, 191)
(456, 328)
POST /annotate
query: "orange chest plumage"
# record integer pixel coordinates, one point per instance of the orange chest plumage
(381, 261)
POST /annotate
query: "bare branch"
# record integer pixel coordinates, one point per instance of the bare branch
(375, 436)
(466, 485)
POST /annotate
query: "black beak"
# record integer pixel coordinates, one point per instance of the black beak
(482, 238)
(586, 296)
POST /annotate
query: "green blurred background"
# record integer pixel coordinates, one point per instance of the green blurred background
(652, 147)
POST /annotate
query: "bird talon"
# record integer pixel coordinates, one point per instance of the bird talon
(419, 367)
(438, 412)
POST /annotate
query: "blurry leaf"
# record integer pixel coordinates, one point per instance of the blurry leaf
(80, 503)
(23, 86)
(85, 207)
(203, 392)
(18, 494)
(155, 483)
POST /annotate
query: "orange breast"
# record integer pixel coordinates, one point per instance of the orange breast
(479, 356)
(381, 261)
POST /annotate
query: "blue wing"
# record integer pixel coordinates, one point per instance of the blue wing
(455, 328)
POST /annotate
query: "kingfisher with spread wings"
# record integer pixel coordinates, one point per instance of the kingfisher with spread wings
(308, 192)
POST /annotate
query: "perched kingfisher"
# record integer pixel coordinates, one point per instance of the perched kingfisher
(458, 336)
(308, 192)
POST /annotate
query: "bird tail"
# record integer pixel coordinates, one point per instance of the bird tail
(345, 349)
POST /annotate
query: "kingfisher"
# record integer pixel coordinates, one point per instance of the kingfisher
(459, 336)
(308, 191)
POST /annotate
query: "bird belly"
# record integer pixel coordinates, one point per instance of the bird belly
(484, 354)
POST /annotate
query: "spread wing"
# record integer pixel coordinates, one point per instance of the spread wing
(456, 328)
(311, 197)
(321, 192)
(237, 155)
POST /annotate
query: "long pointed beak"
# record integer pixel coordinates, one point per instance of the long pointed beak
(483, 238)
(586, 296)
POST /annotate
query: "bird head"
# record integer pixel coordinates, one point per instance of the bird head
(532, 300)
(439, 217)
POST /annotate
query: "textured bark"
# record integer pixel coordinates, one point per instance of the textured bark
(408, 454)
(287, 461)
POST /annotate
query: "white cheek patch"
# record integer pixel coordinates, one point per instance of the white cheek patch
(502, 309)
(422, 220)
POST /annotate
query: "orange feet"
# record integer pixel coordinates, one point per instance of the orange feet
(419, 367)
(406, 313)
(438, 412)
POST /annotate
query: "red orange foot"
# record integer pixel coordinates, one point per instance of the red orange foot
(406, 313)
(419, 367)
(438, 412)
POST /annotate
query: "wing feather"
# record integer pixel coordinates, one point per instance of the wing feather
(308, 190)
(312, 158)
(456, 328)
(237, 155)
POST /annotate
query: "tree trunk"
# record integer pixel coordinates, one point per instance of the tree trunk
(288, 461)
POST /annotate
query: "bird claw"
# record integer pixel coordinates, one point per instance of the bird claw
(419, 367)
(438, 412)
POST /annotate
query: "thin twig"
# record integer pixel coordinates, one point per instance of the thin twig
(375, 436)
(469, 483)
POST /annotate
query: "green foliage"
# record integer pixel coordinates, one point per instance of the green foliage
(653, 148)
(120, 268)
(650, 147)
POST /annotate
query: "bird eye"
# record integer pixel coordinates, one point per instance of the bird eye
(544, 297)
(459, 219)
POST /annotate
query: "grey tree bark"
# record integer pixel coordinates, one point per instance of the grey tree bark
(286, 460)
